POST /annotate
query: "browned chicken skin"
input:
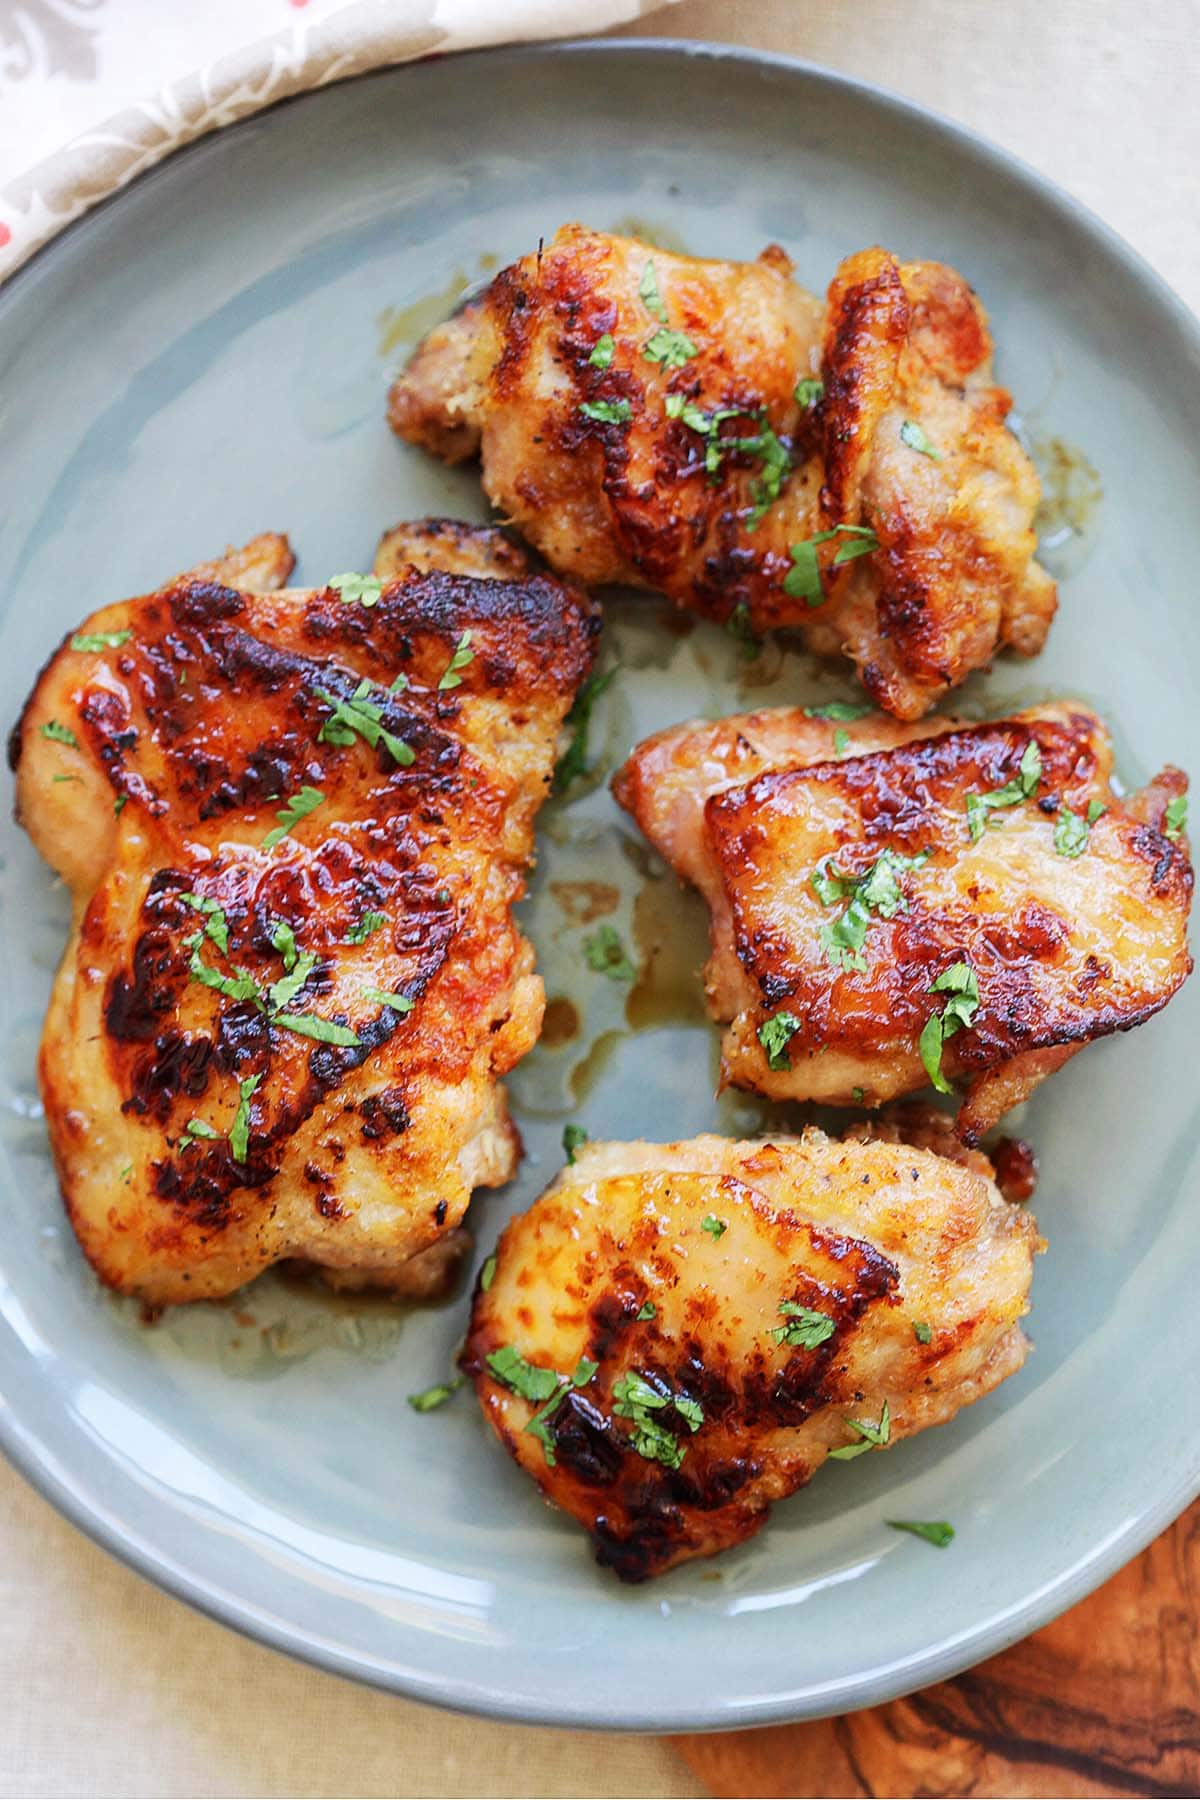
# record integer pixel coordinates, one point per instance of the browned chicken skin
(843, 887)
(648, 428)
(258, 1050)
(724, 1316)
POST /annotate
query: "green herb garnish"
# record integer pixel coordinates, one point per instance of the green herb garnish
(870, 1436)
(960, 982)
(635, 1399)
(803, 579)
(239, 1131)
(775, 1036)
(607, 412)
(804, 1327)
(62, 734)
(360, 932)
(360, 717)
(323, 1031)
(195, 1128)
(299, 967)
(1071, 833)
(602, 352)
(914, 436)
(841, 741)
(847, 710)
(604, 952)
(649, 295)
(572, 1138)
(670, 348)
(742, 632)
(283, 939)
(809, 389)
(101, 640)
(935, 1531)
(290, 814)
(535, 1384)
(1023, 784)
(399, 1003)
(487, 1274)
(119, 805)
(921, 1331)
(216, 926)
(365, 589)
(1175, 817)
(647, 1311)
(716, 1228)
(435, 1396)
(877, 891)
(463, 654)
(1096, 810)
(574, 760)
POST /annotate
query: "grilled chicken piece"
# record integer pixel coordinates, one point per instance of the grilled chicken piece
(257, 1050)
(724, 1316)
(640, 421)
(993, 907)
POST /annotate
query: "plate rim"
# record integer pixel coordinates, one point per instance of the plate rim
(34, 1459)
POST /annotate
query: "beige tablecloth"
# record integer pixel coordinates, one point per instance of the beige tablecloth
(106, 1686)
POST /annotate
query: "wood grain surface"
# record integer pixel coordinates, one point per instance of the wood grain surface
(1106, 1700)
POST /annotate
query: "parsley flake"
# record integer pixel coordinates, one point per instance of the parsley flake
(322, 1031)
(716, 1228)
(290, 814)
(366, 590)
(399, 1003)
(803, 579)
(216, 926)
(1022, 786)
(809, 389)
(647, 1311)
(602, 352)
(1071, 833)
(962, 985)
(841, 741)
(607, 412)
(876, 891)
(914, 436)
(604, 952)
(775, 1035)
(119, 805)
(1175, 817)
(805, 1328)
(362, 930)
(572, 1138)
(283, 939)
(61, 734)
(463, 654)
(435, 1396)
(649, 295)
(670, 348)
(636, 1399)
(846, 710)
(937, 1532)
(742, 632)
(89, 641)
(360, 717)
(299, 967)
(870, 1436)
(1096, 810)
(921, 1331)
(195, 1128)
(574, 760)
(533, 1383)
(239, 1131)
(487, 1274)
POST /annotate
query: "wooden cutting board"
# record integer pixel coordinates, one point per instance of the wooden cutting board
(1106, 1700)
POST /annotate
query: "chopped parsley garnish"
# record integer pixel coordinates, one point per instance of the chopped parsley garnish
(323, 1031)
(607, 412)
(870, 1436)
(847, 710)
(239, 1131)
(959, 981)
(195, 1128)
(841, 741)
(435, 1396)
(858, 1095)
(1175, 817)
(716, 1228)
(804, 1327)
(742, 631)
(574, 760)
(921, 1331)
(101, 640)
(637, 1400)
(980, 807)
(300, 966)
(670, 348)
(877, 891)
(775, 1036)
(914, 436)
(809, 389)
(360, 932)
(216, 926)
(803, 579)
(647, 1311)
(1071, 833)
(78, 778)
(604, 952)
(365, 589)
(488, 1273)
(602, 352)
(935, 1531)
(241, 985)
(119, 805)
(1096, 810)
(463, 654)
(283, 939)
(291, 813)
(776, 463)
(649, 295)
(535, 1384)
(573, 1136)
(62, 734)
(359, 717)
(399, 1003)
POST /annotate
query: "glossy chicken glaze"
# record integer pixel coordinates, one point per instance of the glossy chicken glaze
(1065, 949)
(672, 1263)
(582, 455)
(191, 734)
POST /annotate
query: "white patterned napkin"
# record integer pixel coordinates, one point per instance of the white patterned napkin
(93, 92)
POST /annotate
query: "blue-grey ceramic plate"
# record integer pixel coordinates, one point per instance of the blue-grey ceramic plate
(206, 357)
